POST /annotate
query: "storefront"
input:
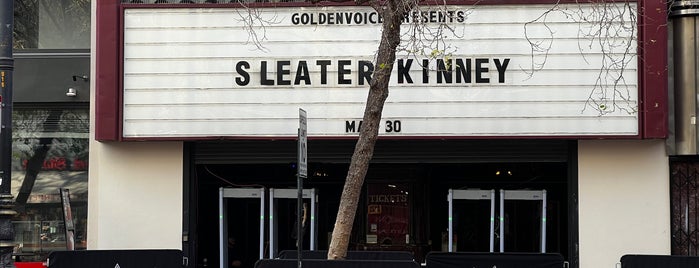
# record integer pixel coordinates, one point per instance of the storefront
(50, 124)
(189, 106)
(50, 148)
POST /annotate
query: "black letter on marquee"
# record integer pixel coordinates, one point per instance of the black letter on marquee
(302, 74)
(425, 71)
(263, 75)
(501, 69)
(349, 126)
(404, 71)
(342, 71)
(366, 69)
(323, 70)
(462, 70)
(240, 68)
(281, 72)
(480, 70)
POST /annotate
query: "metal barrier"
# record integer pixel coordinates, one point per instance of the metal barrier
(288, 263)
(659, 261)
(489, 260)
(170, 258)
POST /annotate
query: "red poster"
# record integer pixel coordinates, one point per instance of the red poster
(388, 213)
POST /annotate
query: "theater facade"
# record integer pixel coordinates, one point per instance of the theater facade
(514, 126)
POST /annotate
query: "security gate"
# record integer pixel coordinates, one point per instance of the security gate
(474, 194)
(273, 224)
(505, 197)
(235, 193)
(523, 195)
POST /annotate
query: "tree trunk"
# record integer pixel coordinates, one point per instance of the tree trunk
(364, 149)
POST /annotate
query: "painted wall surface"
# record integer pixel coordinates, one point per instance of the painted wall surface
(624, 200)
(505, 70)
(135, 195)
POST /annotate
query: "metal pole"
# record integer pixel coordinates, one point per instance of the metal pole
(492, 220)
(299, 228)
(450, 230)
(262, 223)
(272, 225)
(223, 241)
(502, 220)
(684, 19)
(7, 233)
(302, 173)
(543, 221)
(313, 219)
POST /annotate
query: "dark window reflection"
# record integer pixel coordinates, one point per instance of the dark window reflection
(50, 151)
(51, 24)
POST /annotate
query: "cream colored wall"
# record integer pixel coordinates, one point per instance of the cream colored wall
(134, 190)
(135, 195)
(624, 200)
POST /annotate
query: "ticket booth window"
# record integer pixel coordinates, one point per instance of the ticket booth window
(388, 214)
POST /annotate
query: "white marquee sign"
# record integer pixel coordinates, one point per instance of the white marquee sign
(194, 73)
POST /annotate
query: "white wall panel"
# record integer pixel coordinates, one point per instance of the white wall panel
(624, 200)
(180, 75)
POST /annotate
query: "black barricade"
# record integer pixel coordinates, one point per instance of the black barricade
(351, 255)
(110, 258)
(490, 260)
(288, 263)
(658, 261)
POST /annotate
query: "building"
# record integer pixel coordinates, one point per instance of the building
(50, 123)
(185, 105)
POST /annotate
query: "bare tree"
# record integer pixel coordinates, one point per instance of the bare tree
(597, 24)
(393, 12)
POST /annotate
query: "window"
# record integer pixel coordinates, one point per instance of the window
(50, 152)
(52, 24)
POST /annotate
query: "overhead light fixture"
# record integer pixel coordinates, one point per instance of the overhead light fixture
(72, 92)
(83, 77)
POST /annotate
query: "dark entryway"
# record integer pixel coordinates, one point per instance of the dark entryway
(425, 184)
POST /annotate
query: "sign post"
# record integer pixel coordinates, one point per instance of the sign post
(301, 174)
(67, 218)
(303, 161)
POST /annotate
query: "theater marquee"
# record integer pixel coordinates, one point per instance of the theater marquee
(195, 73)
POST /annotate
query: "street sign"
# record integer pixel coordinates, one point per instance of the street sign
(303, 160)
(302, 173)
(67, 218)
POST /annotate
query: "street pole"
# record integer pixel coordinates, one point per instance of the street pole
(7, 230)
(300, 175)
